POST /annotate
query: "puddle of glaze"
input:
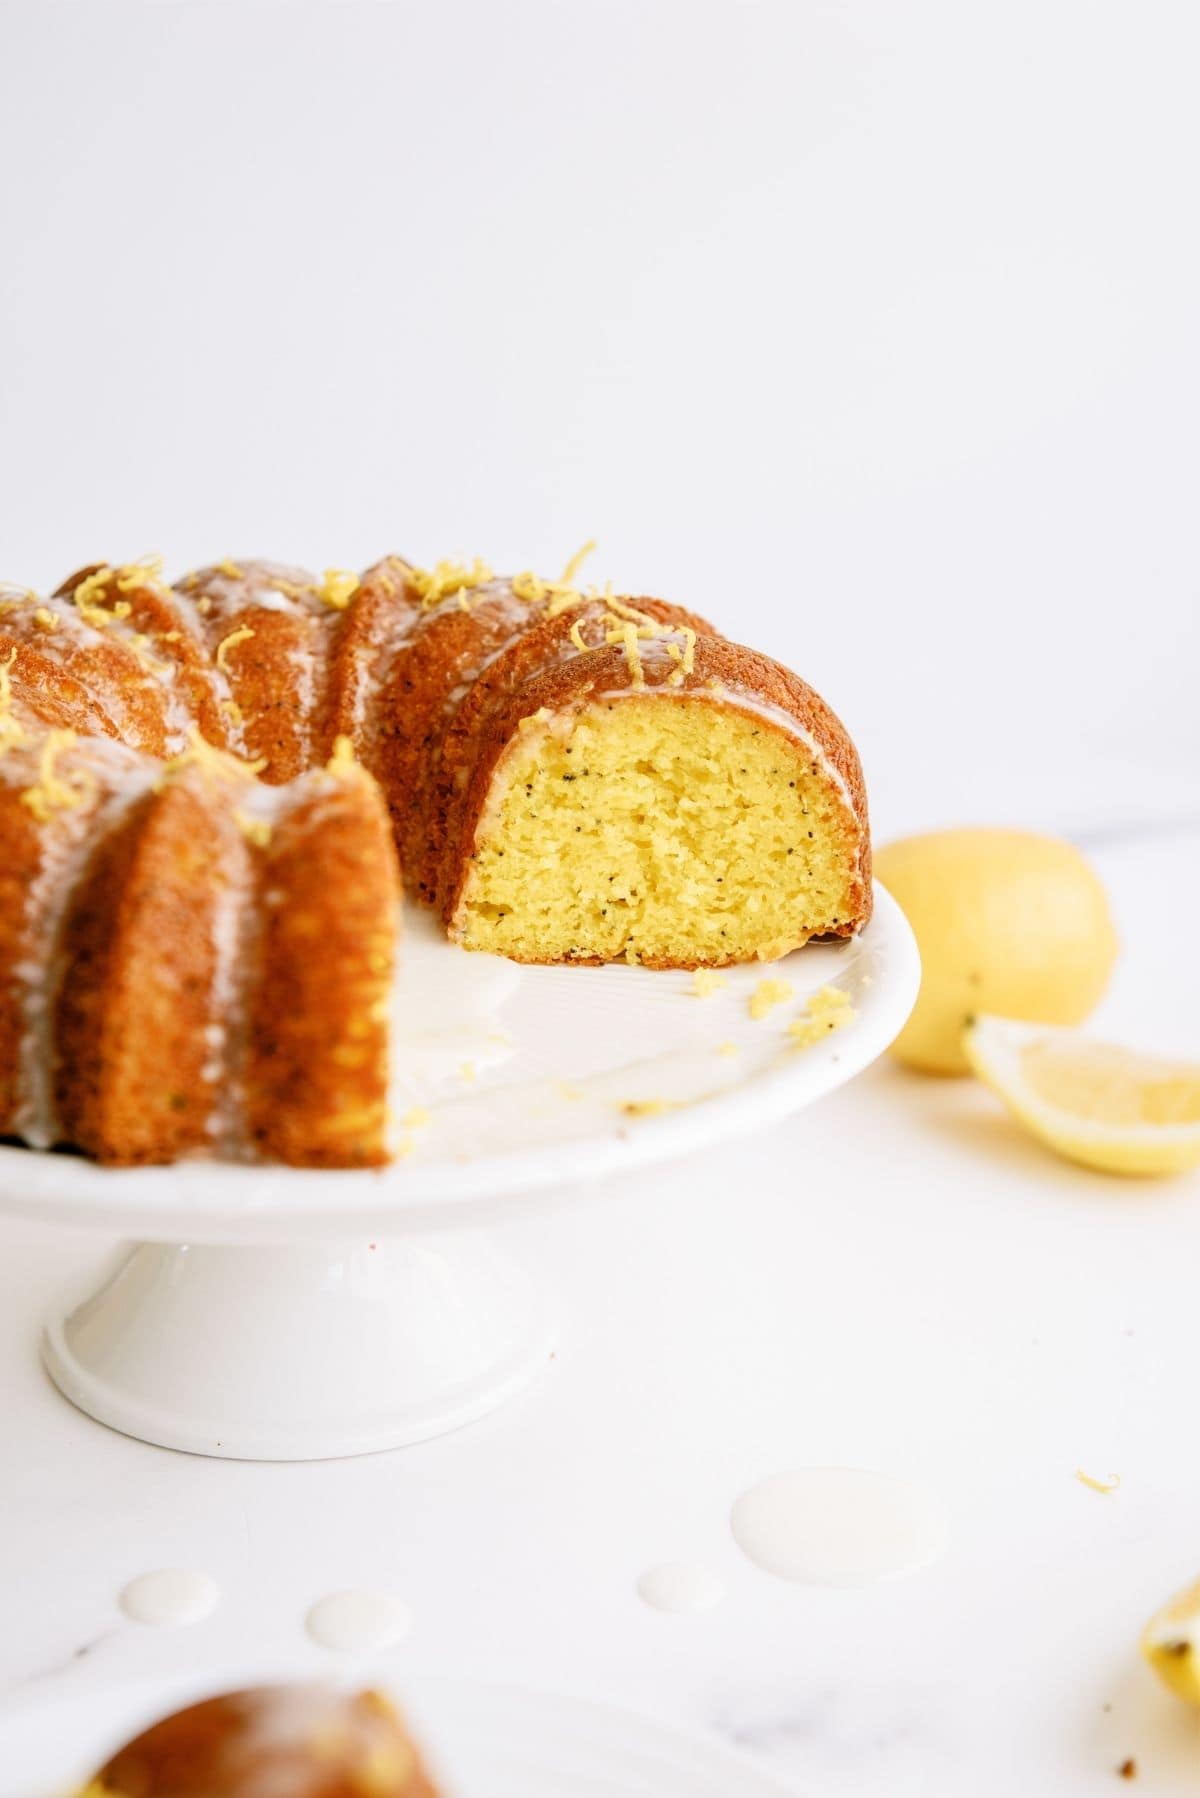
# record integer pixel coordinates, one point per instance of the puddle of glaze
(458, 1016)
(358, 1621)
(680, 1586)
(169, 1596)
(446, 1010)
(838, 1526)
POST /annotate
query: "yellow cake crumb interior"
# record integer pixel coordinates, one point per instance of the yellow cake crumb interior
(658, 830)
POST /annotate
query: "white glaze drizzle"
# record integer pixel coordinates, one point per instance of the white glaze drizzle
(681, 1587)
(838, 1526)
(169, 1597)
(67, 845)
(358, 1621)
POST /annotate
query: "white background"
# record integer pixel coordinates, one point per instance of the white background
(870, 330)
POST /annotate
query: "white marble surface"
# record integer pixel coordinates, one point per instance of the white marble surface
(869, 331)
(895, 1279)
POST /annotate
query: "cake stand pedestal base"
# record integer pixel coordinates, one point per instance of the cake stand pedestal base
(302, 1352)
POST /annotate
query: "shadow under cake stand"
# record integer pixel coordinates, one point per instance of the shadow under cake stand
(262, 1312)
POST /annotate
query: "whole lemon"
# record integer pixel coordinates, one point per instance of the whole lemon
(1006, 922)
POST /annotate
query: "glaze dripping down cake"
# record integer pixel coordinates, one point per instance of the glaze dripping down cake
(211, 793)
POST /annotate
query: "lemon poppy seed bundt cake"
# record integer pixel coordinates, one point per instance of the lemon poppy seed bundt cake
(211, 794)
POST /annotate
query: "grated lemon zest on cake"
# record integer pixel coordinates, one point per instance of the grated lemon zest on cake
(623, 623)
(627, 625)
(767, 995)
(562, 595)
(52, 793)
(127, 578)
(529, 587)
(338, 588)
(828, 1010)
(707, 981)
(170, 636)
(627, 634)
(564, 599)
(241, 635)
(210, 760)
(204, 605)
(255, 830)
(232, 709)
(1104, 1487)
(561, 599)
(143, 571)
(139, 644)
(446, 578)
(230, 570)
(343, 761)
(12, 731)
(45, 619)
(85, 602)
(650, 627)
(567, 577)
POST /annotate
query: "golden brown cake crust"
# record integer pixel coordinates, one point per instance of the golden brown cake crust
(307, 1742)
(21, 851)
(170, 632)
(134, 1014)
(316, 1074)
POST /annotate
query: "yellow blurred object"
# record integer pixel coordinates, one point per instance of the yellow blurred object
(1169, 1643)
(1006, 922)
(1104, 1106)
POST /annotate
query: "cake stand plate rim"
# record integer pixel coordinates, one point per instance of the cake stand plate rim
(223, 1202)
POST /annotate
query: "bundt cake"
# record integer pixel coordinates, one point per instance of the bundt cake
(275, 1742)
(203, 789)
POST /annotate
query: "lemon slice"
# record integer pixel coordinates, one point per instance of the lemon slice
(1170, 1641)
(1104, 1106)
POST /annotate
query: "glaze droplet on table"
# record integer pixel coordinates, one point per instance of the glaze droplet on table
(838, 1526)
(680, 1586)
(358, 1621)
(169, 1596)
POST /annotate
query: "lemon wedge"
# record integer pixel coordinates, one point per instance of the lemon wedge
(1104, 1106)
(1170, 1641)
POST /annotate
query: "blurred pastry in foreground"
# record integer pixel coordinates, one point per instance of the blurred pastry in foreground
(273, 1742)
(1171, 1644)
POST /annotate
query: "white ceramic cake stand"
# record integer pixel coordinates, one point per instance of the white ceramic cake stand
(270, 1313)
